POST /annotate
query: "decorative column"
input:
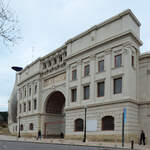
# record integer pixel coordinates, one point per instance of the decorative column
(79, 86)
(107, 67)
(92, 73)
(127, 71)
(67, 85)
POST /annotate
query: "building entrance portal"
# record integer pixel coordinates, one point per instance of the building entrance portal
(55, 115)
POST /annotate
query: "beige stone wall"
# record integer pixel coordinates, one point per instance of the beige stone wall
(106, 138)
(12, 128)
(144, 119)
(98, 112)
(26, 121)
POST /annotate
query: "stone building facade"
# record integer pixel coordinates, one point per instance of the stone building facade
(101, 69)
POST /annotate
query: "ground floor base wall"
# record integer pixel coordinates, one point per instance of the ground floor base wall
(25, 122)
(144, 111)
(96, 114)
(105, 138)
(12, 128)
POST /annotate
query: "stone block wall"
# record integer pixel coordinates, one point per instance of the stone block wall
(97, 113)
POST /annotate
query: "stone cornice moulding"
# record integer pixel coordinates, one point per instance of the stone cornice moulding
(114, 18)
(37, 114)
(144, 103)
(129, 32)
(30, 77)
(102, 104)
(144, 55)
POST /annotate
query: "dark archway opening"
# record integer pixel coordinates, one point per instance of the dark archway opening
(55, 115)
(55, 103)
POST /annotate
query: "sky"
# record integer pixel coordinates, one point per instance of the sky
(46, 24)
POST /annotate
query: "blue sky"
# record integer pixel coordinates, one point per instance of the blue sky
(47, 24)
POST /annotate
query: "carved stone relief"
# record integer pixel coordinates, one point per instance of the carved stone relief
(54, 80)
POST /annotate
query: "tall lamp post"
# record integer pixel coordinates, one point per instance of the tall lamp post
(17, 69)
(85, 109)
(19, 129)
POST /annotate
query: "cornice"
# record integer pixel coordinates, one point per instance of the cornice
(28, 78)
(106, 41)
(116, 17)
(144, 103)
(144, 55)
(103, 104)
(37, 114)
(54, 51)
(28, 66)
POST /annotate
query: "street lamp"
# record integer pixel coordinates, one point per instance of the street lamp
(85, 109)
(19, 128)
(17, 69)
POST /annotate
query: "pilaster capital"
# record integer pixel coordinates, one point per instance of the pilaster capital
(67, 66)
(108, 51)
(79, 62)
(93, 57)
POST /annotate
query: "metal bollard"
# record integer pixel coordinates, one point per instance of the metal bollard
(132, 144)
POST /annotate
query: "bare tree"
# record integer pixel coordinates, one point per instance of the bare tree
(9, 31)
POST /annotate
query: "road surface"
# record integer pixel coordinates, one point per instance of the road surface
(7, 145)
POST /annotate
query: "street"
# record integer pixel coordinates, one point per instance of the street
(5, 145)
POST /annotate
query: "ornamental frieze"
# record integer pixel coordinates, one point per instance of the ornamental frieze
(54, 80)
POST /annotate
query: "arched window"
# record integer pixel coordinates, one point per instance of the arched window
(31, 126)
(55, 61)
(49, 63)
(79, 124)
(60, 58)
(21, 127)
(108, 123)
(44, 65)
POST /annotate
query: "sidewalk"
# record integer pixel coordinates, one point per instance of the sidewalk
(74, 142)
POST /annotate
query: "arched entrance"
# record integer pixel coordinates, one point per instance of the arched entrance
(55, 115)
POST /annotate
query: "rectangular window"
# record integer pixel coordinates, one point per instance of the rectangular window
(74, 74)
(20, 108)
(86, 92)
(35, 104)
(100, 89)
(24, 107)
(74, 95)
(30, 91)
(25, 93)
(118, 60)
(117, 85)
(101, 66)
(86, 70)
(132, 61)
(29, 105)
(35, 89)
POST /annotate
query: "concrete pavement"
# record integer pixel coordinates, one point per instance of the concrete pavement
(74, 142)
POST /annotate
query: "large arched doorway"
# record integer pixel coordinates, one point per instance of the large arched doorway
(55, 115)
